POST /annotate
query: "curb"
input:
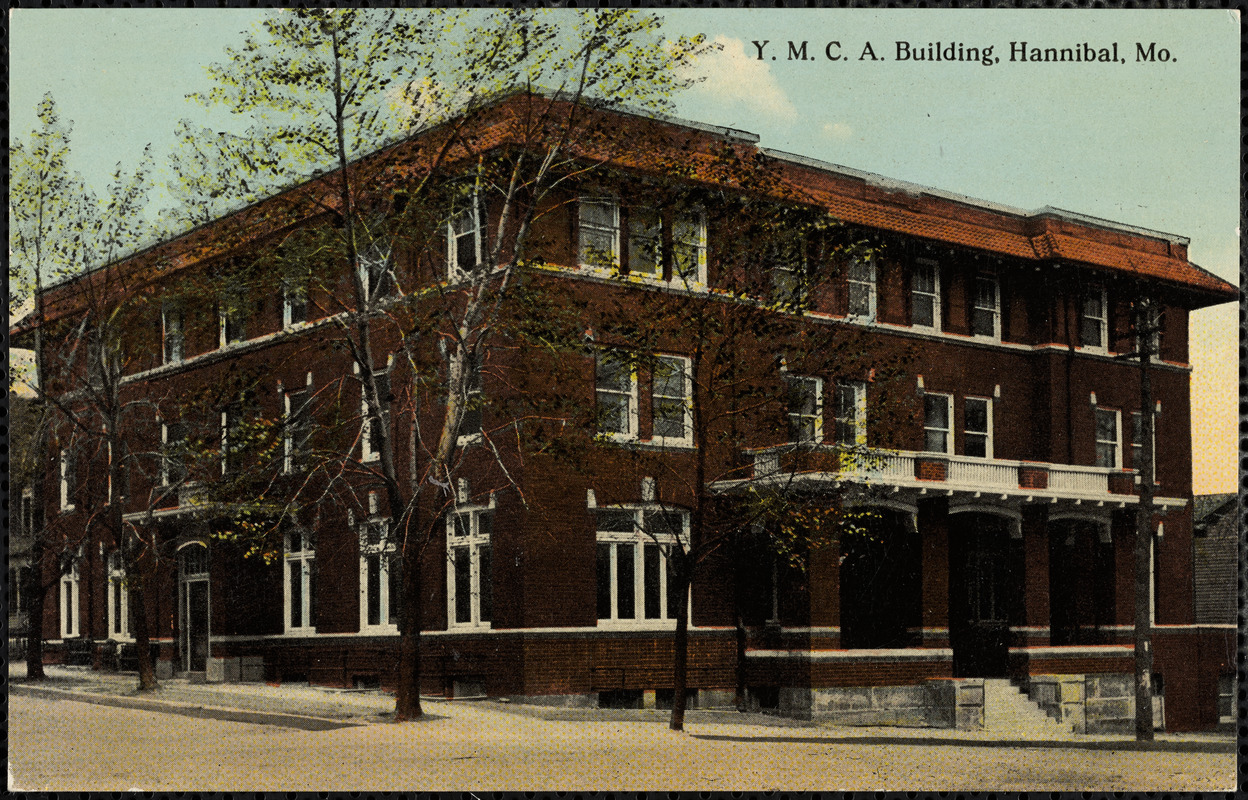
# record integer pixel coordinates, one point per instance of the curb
(296, 721)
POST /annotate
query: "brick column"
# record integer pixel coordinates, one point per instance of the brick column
(934, 540)
(1036, 568)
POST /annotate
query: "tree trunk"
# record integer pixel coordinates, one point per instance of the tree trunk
(680, 666)
(142, 636)
(36, 593)
(739, 698)
(407, 687)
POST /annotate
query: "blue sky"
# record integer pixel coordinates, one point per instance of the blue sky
(1153, 144)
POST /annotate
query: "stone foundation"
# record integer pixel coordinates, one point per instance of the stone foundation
(943, 703)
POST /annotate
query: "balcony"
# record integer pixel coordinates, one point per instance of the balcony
(935, 474)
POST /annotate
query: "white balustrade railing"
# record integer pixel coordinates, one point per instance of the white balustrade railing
(1086, 480)
(983, 472)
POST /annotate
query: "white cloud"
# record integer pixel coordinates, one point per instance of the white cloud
(838, 130)
(732, 75)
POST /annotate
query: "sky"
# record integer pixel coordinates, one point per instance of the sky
(1147, 141)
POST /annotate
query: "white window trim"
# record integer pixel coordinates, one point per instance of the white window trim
(288, 321)
(799, 417)
(117, 583)
(225, 442)
(1135, 462)
(453, 273)
(641, 538)
(687, 403)
(172, 337)
(367, 453)
(471, 393)
(288, 439)
(70, 617)
(698, 217)
(1102, 324)
(385, 549)
(302, 559)
(473, 542)
(67, 466)
(634, 414)
(872, 289)
(860, 411)
(239, 297)
(995, 336)
(934, 294)
(377, 254)
(1117, 433)
(967, 433)
(949, 443)
(614, 261)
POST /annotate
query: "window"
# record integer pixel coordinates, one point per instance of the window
(925, 294)
(645, 243)
(634, 583)
(172, 334)
(862, 289)
(376, 274)
(374, 426)
(464, 235)
(300, 580)
(173, 453)
(672, 400)
(599, 232)
(297, 427)
(231, 439)
(69, 483)
(118, 598)
(232, 316)
(1108, 441)
(851, 413)
(470, 422)
(32, 513)
(469, 568)
(805, 408)
(1093, 321)
(986, 308)
(615, 383)
(937, 418)
(689, 249)
(977, 436)
(294, 302)
(379, 577)
(787, 258)
(1137, 443)
(69, 597)
(1152, 325)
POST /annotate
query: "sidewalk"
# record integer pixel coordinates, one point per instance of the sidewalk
(312, 708)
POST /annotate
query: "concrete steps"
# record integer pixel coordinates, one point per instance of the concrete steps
(1008, 711)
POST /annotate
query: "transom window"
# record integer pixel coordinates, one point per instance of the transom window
(470, 568)
(379, 578)
(1108, 438)
(300, 580)
(805, 408)
(1093, 321)
(599, 232)
(977, 436)
(937, 423)
(925, 294)
(616, 390)
(672, 400)
(851, 413)
(986, 308)
(634, 584)
(862, 289)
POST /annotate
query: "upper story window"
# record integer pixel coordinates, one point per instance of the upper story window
(789, 278)
(376, 422)
(470, 568)
(299, 566)
(464, 240)
(986, 305)
(635, 585)
(380, 575)
(937, 423)
(118, 598)
(615, 385)
(232, 438)
(172, 453)
(1108, 438)
(599, 232)
(1094, 320)
(851, 413)
(862, 293)
(689, 248)
(297, 427)
(977, 436)
(1137, 442)
(172, 332)
(925, 294)
(471, 419)
(672, 400)
(232, 317)
(69, 480)
(645, 243)
(294, 302)
(376, 268)
(31, 513)
(805, 408)
(1147, 325)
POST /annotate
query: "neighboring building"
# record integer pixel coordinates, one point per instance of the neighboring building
(1215, 559)
(1003, 544)
(25, 515)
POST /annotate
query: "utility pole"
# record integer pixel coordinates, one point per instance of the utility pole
(1146, 327)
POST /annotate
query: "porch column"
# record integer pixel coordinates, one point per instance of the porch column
(934, 539)
(825, 591)
(1036, 611)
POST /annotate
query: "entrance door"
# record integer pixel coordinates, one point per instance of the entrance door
(193, 608)
(981, 584)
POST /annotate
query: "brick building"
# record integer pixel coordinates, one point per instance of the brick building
(1003, 502)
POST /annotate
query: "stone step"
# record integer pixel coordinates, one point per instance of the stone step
(1007, 709)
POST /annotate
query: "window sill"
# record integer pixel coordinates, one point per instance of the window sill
(637, 625)
(379, 630)
(468, 627)
(294, 632)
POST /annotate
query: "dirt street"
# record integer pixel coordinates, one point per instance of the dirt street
(66, 745)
